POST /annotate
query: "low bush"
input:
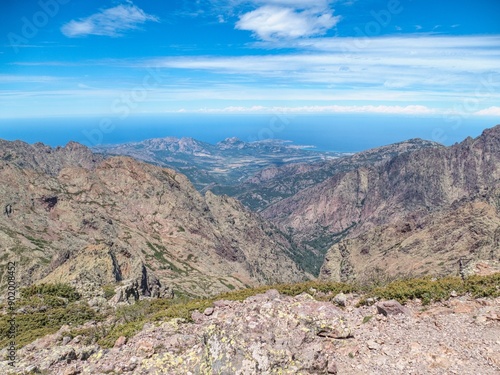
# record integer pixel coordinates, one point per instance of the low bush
(42, 310)
(109, 291)
(430, 290)
(56, 290)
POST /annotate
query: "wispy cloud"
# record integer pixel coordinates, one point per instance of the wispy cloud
(111, 22)
(428, 63)
(381, 109)
(491, 111)
(12, 78)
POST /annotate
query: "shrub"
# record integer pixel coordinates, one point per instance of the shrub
(128, 330)
(109, 291)
(56, 290)
(46, 308)
(483, 286)
(430, 290)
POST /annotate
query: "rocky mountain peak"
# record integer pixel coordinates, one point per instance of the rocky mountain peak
(231, 143)
(185, 145)
(46, 159)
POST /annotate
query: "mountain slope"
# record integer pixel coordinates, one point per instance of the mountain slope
(78, 217)
(369, 202)
(276, 183)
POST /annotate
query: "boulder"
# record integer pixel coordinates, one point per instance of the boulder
(391, 307)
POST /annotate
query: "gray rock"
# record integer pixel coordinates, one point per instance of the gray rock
(31, 369)
(340, 299)
(391, 307)
(208, 311)
(373, 345)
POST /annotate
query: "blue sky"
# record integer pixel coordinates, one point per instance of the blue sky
(149, 57)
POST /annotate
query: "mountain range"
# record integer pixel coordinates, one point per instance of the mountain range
(224, 164)
(94, 219)
(74, 216)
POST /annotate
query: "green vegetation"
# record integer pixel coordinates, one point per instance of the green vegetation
(429, 290)
(42, 310)
(109, 291)
(367, 318)
(226, 284)
(55, 290)
(47, 307)
(37, 242)
(159, 252)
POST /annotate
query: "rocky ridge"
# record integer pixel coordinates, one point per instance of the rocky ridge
(275, 334)
(273, 184)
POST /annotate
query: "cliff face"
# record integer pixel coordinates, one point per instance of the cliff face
(417, 212)
(70, 215)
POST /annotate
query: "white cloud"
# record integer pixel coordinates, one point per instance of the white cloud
(272, 22)
(491, 111)
(296, 4)
(6, 78)
(380, 109)
(108, 22)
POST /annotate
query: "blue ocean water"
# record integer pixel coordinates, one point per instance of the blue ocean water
(345, 133)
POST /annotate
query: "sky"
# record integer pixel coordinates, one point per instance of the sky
(121, 59)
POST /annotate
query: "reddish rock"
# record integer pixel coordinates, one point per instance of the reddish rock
(122, 340)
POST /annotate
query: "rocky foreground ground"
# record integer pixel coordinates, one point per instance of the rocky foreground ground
(276, 334)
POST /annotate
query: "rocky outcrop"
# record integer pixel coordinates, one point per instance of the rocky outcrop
(130, 291)
(46, 159)
(79, 218)
(275, 334)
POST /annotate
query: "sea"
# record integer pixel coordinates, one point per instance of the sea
(341, 133)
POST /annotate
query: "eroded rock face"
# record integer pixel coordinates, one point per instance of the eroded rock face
(90, 221)
(432, 244)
